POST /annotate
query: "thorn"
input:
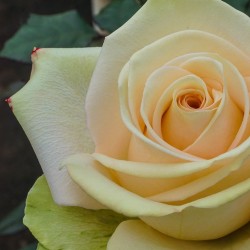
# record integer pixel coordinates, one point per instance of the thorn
(8, 100)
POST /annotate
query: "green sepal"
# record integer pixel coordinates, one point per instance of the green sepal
(57, 227)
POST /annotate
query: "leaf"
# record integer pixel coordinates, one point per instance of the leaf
(141, 2)
(32, 246)
(60, 30)
(58, 227)
(238, 4)
(248, 8)
(13, 222)
(116, 14)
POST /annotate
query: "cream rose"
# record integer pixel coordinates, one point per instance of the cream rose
(166, 137)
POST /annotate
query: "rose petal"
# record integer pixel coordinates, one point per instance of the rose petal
(161, 81)
(50, 109)
(123, 43)
(184, 182)
(236, 175)
(157, 82)
(220, 132)
(237, 170)
(235, 84)
(199, 221)
(178, 126)
(188, 221)
(157, 54)
(135, 235)
(140, 147)
(153, 170)
(83, 169)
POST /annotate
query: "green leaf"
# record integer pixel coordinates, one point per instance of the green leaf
(238, 4)
(141, 2)
(60, 30)
(58, 227)
(13, 222)
(116, 14)
(248, 8)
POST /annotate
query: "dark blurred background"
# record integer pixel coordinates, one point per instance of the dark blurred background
(18, 165)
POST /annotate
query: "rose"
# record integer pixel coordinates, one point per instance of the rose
(167, 109)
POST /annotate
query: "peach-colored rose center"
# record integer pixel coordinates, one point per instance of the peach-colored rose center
(191, 101)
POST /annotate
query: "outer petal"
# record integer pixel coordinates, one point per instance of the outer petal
(190, 221)
(50, 109)
(192, 180)
(83, 170)
(159, 18)
(135, 235)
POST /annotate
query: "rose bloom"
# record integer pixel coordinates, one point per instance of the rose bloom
(155, 125)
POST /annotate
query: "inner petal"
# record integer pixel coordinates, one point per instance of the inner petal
(220, 132)
(161, 80)
(193, 102)
(156, 84)
(235, 111)
(180, 128)
(174, 122)
(157, 54)
(205, 67)
(142, 148)
(191, 99)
